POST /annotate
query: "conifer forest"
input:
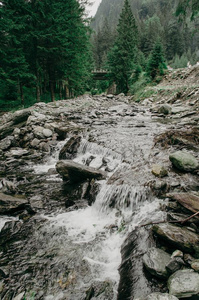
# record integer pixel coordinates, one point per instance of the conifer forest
(49, 48)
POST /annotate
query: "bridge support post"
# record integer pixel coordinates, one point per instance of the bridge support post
(112, 89)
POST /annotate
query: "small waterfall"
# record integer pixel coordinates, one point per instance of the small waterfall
(88, 241)
(51, 160)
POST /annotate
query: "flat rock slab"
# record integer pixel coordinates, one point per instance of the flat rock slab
(188, 200)
(76, 172)
(179, 237)
(184, 283)
(184, 161)
(8, 203)
(158, 296)
(155, 261)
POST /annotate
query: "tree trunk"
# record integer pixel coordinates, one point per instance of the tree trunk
(38, 88)
(52, 94)
(60, 90)
(21, 93)
(67, 92)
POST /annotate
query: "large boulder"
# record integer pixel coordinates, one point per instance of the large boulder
(17, 118)
(184, 283)
(184, 161)
(69, 150)
(155, 261)
(20, 116)
(179, 237)
(9, 204)
(76, 172)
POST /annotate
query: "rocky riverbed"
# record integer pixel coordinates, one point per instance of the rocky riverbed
(97, 184)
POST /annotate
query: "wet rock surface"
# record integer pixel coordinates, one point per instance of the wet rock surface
(42, 255)
(184, 161)
(184, 283)
(76, 172)
(155, 261)
(10, 204)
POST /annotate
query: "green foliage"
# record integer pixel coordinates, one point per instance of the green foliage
(102, 42)
(138, 88)
(44, 48)
(122, 55)
(182, 61)
(184, 6)
(156, 62)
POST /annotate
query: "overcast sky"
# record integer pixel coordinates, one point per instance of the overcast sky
(93, 8)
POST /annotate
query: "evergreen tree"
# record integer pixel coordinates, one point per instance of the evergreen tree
(122, 55)
(14, 69)
(151, 31)
(156, 62)
(102, 42)
(185, 5)
(174, 40)
(45, 45)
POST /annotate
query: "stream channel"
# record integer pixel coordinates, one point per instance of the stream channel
(73, 251)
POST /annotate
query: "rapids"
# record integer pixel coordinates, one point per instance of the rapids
(75, 253)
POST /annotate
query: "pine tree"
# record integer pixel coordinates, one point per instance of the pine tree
(185, 5)
(121, 56)
(102, 42)
(45, 45)
(14, 70)
(156, 62)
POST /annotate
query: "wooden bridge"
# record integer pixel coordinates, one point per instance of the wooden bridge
(100, 74)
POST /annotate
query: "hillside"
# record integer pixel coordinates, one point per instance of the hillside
(155, 20)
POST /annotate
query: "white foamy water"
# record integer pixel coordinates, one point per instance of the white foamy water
(105, 229)
(51, 160)
(100, 156)
(96, 233)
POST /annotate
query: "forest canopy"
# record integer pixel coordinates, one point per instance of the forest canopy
(44, 50)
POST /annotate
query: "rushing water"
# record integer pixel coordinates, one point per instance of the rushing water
(90, 238)
(76, 249)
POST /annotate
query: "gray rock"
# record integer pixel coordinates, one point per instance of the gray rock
(164, 109)
(35, 142)
(47, 132)
(45, 147)
(76, 172)
(36, 202)
(9, 204)
(20, 116)
(155, 261)
(6, 143)
(195, 265)
(160, 296)
(184, 161)
(38, 132)
(184, 283)
(177, 253)
(69, 150)
(18, 152)
(180, 237)
(159, 171)
(175, 264)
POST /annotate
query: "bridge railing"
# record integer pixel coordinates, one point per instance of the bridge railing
(101, 71)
